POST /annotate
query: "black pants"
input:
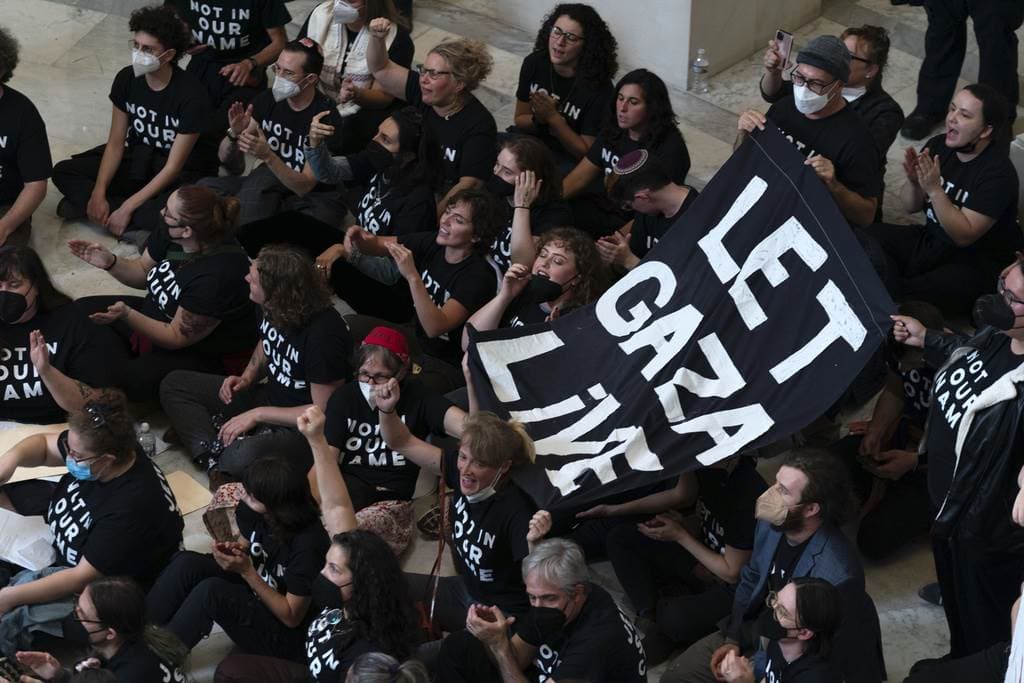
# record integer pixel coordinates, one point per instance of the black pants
(464, 659)
(978, 588)
(139, 375)
(193, 592)
(945, 44)
(75, 178)
(986, 666)
(222, 95)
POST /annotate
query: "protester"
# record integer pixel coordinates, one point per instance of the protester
(158, 112)
(565, 83)
(443, 91)
(302, 354)
(640, 117)
(112, 514)
(196, 314)
(572, 631)
(377, 667)
(273, 130)
(342, 29)
(24, 155)
(966, 185)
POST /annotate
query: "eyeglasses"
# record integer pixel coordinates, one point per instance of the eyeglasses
(570, 38)
(78, 610)
(1009, 296)
(166, 215)
(380, 378)
(771, 601)
(287, 73)
(817, 87)
(146, 49)
(431, 74)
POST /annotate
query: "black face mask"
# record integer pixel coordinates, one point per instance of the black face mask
(545, 624)
(379, 157)
(992, 310)
(768, 627)
(540, 289)
(499, 187)
(325, 594)
(12, 306)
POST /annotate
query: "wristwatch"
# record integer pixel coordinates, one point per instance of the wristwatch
(231, 135)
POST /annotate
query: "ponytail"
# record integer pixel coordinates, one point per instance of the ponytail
(213, 218)
(165, 646)
(495, 441)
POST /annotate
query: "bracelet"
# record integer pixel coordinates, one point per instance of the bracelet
(521, 207)
(233, 138)
(112, 263)
(386, 412)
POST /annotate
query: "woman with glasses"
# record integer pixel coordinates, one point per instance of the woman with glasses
(565, 83)
(256, 587)
(380, 481)
(302, 354)
(158, 113)
(443, 91)
(342, 28)
(639, 117)
(111, 613)
(196, 314)
(360, 598)
(796, 635)
(112, 514)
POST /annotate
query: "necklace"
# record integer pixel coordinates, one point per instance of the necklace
(458, 106)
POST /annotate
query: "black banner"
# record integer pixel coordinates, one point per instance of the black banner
(746, 322)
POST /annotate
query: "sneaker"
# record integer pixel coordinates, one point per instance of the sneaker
(930, 593)
(918, 125)
(69, 211)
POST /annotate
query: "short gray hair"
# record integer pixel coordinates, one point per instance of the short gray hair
(559, 561)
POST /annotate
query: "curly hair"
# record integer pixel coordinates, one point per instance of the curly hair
(275, 479)
(163, 23)
(418, 162)
(469, 60)
(487, 215)
(532, 155)
(105, 427)
(661, 117)
(599, 60)
(589, 267)
(876, 40)
(214, 219)
(294, 292)
(25, 263)
(381, 606)
(8, 54)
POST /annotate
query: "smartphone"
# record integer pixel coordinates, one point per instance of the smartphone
(784, 39)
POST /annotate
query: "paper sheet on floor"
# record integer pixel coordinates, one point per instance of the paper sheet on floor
(190, 494)
(25, 541)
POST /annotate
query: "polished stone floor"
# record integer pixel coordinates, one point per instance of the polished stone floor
(71, 50)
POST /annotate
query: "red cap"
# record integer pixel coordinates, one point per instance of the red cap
(391, 339)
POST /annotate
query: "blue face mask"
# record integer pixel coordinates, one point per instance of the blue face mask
(79, 471)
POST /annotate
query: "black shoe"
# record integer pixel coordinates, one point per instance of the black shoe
(69, 211)
(925, 664)
(657, 647)
(204, 461)
(918, 125)
(931, 593)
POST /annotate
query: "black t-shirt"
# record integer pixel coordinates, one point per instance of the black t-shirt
(599, 645)
(75, 350)
(542, 218)
(805, 669)
(725, 506)
(470, 282)
(135, 662)
(156, 118)
(520, 313)
(467, 137)
(316, 354)
(784, 562)
(127, 526)
(581, 102)
(917, 390)
(354, 429)
(956, 387)
(286, 567)
(385, 210)
(332, 647)
(24, 147)
(843, 138)
(232, 29)
(648, 229)
(671, 151)
(988, 185)
(211, 285)
(489, 540)
(287, 130)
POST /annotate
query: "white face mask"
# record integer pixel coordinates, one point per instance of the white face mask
(284, 89)
(808, 102)
(345, 13)
(366, 390)
(144, 63)
(851, 94)
(486, 492)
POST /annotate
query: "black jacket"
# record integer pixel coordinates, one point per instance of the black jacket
(990, 451)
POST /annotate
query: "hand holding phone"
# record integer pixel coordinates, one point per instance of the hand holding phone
(784, 49)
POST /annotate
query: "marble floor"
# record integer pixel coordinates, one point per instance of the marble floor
(70, 50)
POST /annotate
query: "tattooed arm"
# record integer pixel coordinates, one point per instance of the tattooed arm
(185, 330)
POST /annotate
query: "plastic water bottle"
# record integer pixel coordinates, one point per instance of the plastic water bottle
(699, 73)
(147, 440)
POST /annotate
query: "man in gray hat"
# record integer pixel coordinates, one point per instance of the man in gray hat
(834, 138)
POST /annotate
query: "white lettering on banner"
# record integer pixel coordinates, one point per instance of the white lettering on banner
(607, 312)
(718, 256)
(498, 356)
(727, 382)
(3, 142)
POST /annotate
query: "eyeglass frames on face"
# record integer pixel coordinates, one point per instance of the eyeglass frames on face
(570, 38)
